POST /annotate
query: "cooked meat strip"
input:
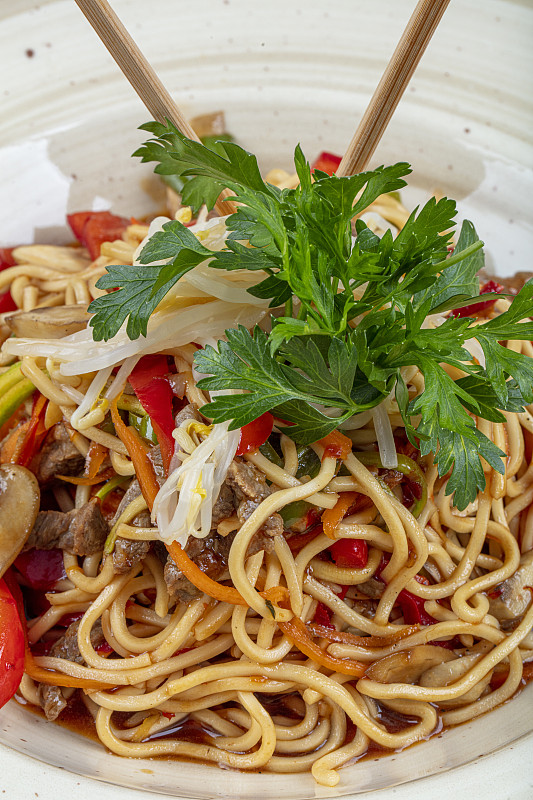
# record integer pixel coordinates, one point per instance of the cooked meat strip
(80, 532)
(127, 553)
(250, 488)
(224, 506)
(58, 456)
(210, 554)
(247, 481)
(51, 697)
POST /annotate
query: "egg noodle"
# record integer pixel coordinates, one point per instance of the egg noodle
(288, 661)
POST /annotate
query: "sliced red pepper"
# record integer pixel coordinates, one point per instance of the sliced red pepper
(41, 569)
(150, 384)
(413, 609)
(93, 228)
(11, 645)
(323, 616)
(327, 162)
(6, 260)
(477, 308)
(350, 553)
(255, 433)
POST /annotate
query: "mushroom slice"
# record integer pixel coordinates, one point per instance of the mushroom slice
(408, 665)
(52, 322)
(515, 595)
(19, 505)
(451, 671)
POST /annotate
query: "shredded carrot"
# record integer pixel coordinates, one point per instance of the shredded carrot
(298, 634)
(276, 594)
(360, 641)
(332, 516)
(52, 678)
(500, 675)
(144, 469)
(35, 432)
(13, 444)
(95, 459)
(336, 444)
(83, 481)
(226, 594)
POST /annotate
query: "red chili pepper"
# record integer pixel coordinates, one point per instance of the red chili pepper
(350, 553)
(6, 260)
(150, 384)
(476, 308)
(343, 592)
(41, 569)
(104, 648)
(68, 619)
(255, 433)
(11, 645)
(323, 616)
(93, 228)
(327, 162)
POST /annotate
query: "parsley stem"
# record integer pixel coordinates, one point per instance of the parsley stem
(457, 256)
(288, 307)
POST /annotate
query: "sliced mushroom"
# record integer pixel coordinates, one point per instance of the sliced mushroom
(451, 671)
(52, 322)
(408, 665)
(515, 595)
(19, 505)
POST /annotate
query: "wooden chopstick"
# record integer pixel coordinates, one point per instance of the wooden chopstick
(141, 75)
(392, 85)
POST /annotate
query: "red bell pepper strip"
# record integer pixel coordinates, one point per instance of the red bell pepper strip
(6, 260)
(93, 228)
(327, 162)
(41, 569)
(150, 384)
(413, 609)
(477, 308)
(255, 433)
(11, 645)
(350, 553)
(323, 616)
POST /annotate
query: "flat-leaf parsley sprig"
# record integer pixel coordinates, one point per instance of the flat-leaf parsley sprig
(356, 309)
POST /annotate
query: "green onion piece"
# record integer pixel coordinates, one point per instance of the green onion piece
(13, 398)
(308, 462)
(144, 426)
(407, 466)
(268, 451)
(10, 377)
(129, 402)
(293, 512)
(110, 485)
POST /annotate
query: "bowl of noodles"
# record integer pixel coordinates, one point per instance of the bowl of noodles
(293, 615)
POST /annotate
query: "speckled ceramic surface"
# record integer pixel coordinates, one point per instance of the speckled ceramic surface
(284, 72)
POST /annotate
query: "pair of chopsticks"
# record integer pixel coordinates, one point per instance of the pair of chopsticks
(386, 97)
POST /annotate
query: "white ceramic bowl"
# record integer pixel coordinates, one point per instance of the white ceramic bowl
(284, 72)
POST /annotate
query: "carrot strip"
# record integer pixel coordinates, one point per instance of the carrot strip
(226, 594)
(95, 459)
(52, 678)
(276, 594)
(344, 637)
(336, 444)
(48, 676)
(332, 516)
(83, 481)
(34, 434)
(13, 444)
(298, 634)
(144, 469)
